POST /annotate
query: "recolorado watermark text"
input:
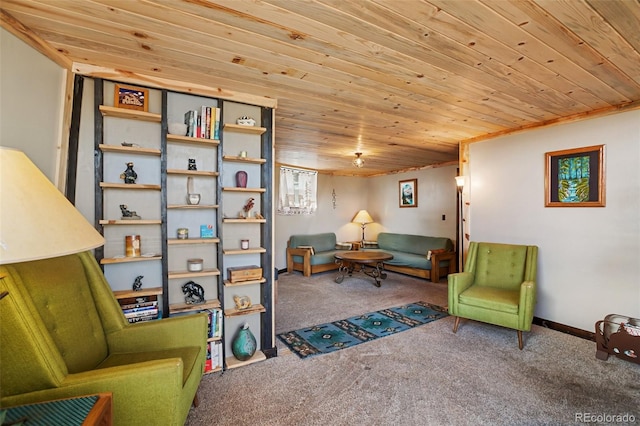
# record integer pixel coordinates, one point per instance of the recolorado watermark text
(605, 418)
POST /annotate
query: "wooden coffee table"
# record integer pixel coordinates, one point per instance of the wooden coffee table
(369, 262)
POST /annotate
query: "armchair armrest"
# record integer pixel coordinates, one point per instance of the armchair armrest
(527, 304)
(458, 283)
(138, 389)
(306, 259)
(167, 333)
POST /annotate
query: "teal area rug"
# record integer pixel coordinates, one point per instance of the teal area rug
(336, 335)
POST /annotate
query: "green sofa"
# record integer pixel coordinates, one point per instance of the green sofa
(312, 253)
(63, 334)
(411, 255)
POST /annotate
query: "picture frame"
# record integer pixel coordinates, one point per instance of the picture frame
(408, 193)
(575, 177)
(131, 97)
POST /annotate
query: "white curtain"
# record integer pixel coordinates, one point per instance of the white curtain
(298, 191)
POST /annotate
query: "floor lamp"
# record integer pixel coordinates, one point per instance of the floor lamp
(37, 221)
(460, 224)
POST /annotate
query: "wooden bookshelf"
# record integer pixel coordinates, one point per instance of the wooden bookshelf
(130, 114)
(192, 140)
(192, 172)
(129, 150)
(253, 130)
(129, 186)
(113, 260)
(187, 274)
(244, 159)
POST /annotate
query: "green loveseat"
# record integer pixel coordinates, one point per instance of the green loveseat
(62, 334)
(411, 255)
(312, 253)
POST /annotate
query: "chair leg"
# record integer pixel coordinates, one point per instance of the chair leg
(456, 324)
(520, 339)
(196, 400)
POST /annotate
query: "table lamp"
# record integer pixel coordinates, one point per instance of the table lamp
(36, 220)
(363, 218)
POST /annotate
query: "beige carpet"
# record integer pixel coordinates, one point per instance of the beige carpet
(423, 376)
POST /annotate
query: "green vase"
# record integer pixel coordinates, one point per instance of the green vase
(244, 344)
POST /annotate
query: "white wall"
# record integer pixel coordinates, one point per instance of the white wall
(589, 258)
(379, 196)
(31, 99)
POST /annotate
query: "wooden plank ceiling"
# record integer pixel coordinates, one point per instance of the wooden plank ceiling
(402, 81)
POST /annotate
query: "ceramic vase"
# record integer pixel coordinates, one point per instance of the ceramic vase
(244, 344)
(241, 179)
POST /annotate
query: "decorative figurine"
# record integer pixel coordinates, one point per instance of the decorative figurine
(259, 216)
(192, 164)
(128, 214)
(247, 207)
(246, 121)
(137, 283)
(193, 293)
(242, 302)
(129, 175)
(241, 179)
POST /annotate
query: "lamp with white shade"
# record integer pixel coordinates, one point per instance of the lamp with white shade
(363, 218)
(36, 220)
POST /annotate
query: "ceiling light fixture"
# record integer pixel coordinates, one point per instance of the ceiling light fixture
(358, 162)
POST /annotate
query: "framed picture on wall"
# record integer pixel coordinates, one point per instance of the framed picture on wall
(575, 177)
(408, 193)
(131, 97)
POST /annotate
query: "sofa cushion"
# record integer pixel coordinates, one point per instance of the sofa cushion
(188, 355)
(492, 298)
(408, 259)
(414, 244)
(319, 242)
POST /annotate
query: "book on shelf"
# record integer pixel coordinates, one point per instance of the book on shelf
(214, 356)
(216, 124)
(214, 325)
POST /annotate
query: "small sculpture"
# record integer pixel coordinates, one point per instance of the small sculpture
(259, 216)
(242, 302)
(247, 207)
(193, 293)
(241, 179)
(129, 175)
(192, 164)
(128, 214)
(246, 121)
(137, 283)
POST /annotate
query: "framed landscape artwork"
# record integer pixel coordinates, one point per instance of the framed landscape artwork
(408, 193)
(131, 97)
(575, 177)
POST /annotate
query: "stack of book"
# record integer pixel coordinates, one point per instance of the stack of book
(142, 308)
(203, 123)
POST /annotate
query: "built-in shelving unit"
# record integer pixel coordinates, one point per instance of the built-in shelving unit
(170, 166)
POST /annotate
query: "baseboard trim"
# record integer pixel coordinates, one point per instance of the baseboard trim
(270, 352)
(583, 334)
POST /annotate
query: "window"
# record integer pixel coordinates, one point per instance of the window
(298, 191)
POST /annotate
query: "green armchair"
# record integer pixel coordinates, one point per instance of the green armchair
(498, 286)
(63, 334)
